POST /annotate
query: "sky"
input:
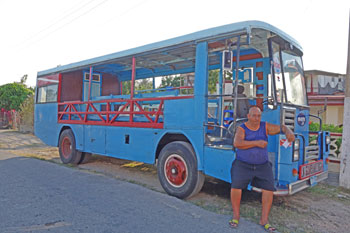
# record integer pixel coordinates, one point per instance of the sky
(38, 35)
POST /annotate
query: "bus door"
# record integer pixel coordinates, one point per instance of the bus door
(219, 152)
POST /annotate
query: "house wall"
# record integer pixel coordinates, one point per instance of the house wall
(333, 115)
(340, 115)
(325, 83)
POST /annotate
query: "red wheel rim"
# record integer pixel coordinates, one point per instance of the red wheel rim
(66, 147)
(175, 170)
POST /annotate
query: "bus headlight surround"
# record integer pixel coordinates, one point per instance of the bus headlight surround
(296, 153)
(296, 144)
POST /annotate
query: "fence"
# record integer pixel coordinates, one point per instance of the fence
(334, 147)
(9, 119)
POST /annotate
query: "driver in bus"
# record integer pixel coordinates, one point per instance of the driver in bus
(252, 164)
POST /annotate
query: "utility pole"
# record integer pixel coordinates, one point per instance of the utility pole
(344, 175)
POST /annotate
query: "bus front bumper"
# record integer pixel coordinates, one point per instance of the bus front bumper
(298, 185)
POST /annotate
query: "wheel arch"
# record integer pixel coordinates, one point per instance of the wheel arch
(168, 137)
(78, 132)
(63, 128)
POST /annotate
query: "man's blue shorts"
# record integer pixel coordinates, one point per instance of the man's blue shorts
(260, 175)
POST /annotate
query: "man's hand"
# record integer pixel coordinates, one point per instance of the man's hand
(261, 143)
(290, 136)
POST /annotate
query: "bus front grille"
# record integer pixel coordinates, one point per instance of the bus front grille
(312, 152)
(288, 118)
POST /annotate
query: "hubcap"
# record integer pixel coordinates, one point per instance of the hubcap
(175, 170)
(66, 147)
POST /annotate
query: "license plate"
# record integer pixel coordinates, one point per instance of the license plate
(310, 169)
(313, 180)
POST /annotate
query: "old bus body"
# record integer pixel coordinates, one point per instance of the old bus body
(94, 106)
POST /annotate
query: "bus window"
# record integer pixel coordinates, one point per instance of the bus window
(47, 89)
(95, 86)
(294, 78)
(47, 94)
(246, 77)
(277, 70)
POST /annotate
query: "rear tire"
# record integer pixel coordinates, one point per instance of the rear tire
(85, 157)
(67, 148)
(177, 170)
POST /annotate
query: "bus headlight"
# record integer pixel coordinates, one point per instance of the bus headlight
(296, 153)
(328, 139)
(296, 144)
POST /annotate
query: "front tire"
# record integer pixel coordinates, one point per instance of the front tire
(177, 170)
(67, 148)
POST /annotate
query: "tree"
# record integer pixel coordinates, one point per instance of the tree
(24, 79)
(171, 81)
(143, 84)
(126, 87)
(213, 79)
(12, 95)
(26, 112)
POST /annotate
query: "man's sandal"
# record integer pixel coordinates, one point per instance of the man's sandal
(233, 223)
(267, 227)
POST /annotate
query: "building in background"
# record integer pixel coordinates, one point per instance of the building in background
(325, 92)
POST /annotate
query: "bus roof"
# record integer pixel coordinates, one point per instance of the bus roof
(204, 35)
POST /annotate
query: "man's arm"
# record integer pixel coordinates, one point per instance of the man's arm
(275, 129)
(240, 143)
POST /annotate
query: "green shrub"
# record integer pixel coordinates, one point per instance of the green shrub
(326, 127)
(27, 111)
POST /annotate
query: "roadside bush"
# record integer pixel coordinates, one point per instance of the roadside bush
(326, 127)
(12, 95)
(26, 114)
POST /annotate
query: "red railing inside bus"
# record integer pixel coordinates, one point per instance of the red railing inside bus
(129, 112)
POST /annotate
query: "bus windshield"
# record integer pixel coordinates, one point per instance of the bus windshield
(289, 75)
(294, 78)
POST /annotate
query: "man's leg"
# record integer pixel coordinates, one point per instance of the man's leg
(236, 195)
(267, 198)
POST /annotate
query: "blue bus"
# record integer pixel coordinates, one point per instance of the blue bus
(186, 125)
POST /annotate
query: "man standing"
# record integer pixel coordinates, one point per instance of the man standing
(252, 164)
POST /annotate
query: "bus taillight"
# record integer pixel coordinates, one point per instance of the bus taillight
(295, 172)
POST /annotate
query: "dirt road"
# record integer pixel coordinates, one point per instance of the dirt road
(323, 208)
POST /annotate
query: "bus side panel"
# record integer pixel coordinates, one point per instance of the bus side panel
(45, 123)
(180, 116)
(95, 139)
(272, 116)
(218, 163)
(78, 131)
(197, 141)
(136, 144)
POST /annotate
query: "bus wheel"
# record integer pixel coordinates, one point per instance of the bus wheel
(177, 170)
(68, 153)
(85, 157)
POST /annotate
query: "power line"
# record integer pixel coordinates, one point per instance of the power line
(74, 9)
(65, 16)
(124, 12)
(69, 22)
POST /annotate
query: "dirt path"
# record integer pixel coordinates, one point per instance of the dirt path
(323, 208)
